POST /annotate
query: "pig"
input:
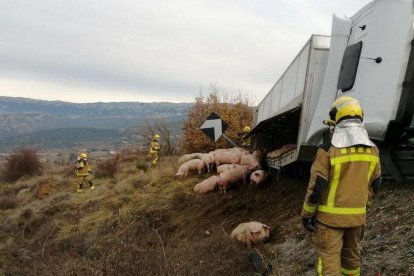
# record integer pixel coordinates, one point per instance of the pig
(190, 165)
(226, 167)
(240, 150)
(281, 151)
(258, 177)
(225, 157)
(187, 157)
(207, 185)
(233, 176)
(208, 160)
(251, 233)
(251, 160)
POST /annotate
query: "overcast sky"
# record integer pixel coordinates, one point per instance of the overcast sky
(154, 50)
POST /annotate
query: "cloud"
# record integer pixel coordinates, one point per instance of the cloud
(165, 49)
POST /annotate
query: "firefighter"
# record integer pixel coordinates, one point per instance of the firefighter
(83, 173)
(246, 141)
(345, 177)
(155, 147)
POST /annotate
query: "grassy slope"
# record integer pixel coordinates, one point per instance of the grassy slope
(152, 223)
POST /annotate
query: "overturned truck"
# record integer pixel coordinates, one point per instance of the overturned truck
(369, 56)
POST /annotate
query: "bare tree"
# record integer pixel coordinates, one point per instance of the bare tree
(162, 128)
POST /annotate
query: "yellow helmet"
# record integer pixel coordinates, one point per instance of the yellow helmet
(156, 137)
(346, 108)
(247, 129)
(83, 155)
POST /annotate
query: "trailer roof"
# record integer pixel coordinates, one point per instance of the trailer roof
(283, 122)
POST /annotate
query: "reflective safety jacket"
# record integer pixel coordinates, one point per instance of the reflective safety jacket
(82, 168)
(343, 183)
(154, 147)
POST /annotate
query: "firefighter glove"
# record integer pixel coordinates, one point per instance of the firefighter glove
(309, 224)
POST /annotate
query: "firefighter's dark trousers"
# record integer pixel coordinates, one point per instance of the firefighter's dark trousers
(338, 250)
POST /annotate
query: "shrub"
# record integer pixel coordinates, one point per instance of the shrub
(108, 167)
(8, 201)
(44, 188)
(20, 163)
(236, 112)
(130, 154)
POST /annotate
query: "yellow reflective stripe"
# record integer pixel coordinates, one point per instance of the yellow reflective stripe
(308, 208)
(342, 210)
(354, 158)
(353, 150)
(334, 185)
(371, 169)
(353, 272)
(320, 267)
(343, 151)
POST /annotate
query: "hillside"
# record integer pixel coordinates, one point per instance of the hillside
(151, 223)
(21, 117)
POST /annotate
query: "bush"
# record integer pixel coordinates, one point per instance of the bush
(237, 112)
(44, 188)
(20, 163)
(8, 201)
(108, 167)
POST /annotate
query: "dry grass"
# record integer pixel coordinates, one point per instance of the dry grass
(8, 201)
(151, 223)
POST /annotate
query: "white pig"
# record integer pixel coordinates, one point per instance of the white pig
(208, 160)
(232, 177)
(226, 167)
(190, 156)
(251, 160)
(258, 177)
(251, 232)
(207, 185)
(191, 165)
(226, 157)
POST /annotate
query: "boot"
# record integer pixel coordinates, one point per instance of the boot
(91, 186)
(80, 188)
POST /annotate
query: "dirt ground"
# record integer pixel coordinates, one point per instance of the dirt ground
(151, 223)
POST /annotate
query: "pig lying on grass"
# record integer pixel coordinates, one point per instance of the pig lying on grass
(251, 232)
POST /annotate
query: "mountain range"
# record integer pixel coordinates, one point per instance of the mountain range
(56, 124)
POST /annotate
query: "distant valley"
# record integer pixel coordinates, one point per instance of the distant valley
(63, 125)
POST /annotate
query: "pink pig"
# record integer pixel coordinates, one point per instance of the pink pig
(226, 167)
(191, 165)
(207, 185)
(258, 177)
(233, 176)
(251, 160)
(225, 157)
(187, 157)
(208, 160)
(251, 232)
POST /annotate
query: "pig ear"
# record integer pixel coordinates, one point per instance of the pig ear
(256, 174)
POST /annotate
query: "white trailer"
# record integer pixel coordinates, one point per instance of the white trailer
(282, 117)
(371, 58)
